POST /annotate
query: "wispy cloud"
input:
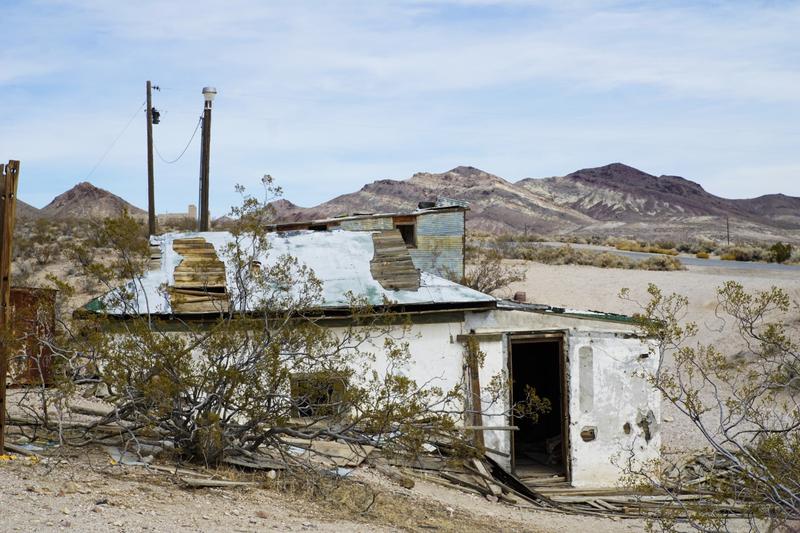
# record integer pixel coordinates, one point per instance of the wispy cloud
(329, 94)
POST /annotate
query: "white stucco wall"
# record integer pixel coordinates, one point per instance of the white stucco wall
(437, 359)
(608, 395)
(609, 386)
(605, 394)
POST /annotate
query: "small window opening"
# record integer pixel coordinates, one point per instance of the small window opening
(318, 394)
(409, 234)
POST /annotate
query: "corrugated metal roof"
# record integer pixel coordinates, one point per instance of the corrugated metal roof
(340, 260)
(565, 311)
(442, 205)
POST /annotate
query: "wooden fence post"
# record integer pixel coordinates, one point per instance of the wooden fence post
(9, 175)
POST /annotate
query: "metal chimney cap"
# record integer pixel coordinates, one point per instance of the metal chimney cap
(209, 93)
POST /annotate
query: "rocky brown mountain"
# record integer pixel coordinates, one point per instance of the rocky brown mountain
(496, 205)
(85, 200)
(615, 199)
(622, 193)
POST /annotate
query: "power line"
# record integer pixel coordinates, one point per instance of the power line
(114, 142)
(185, 148)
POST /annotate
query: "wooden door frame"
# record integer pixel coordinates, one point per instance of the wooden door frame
(534, 338)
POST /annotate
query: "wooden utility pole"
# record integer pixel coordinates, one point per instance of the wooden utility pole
(728, 228)
(9, 175)
(205, 157)
(151, 195)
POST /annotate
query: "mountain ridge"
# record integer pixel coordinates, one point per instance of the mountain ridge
(614, 199)
(610, 200)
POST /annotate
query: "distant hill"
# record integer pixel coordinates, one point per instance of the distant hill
(85, 200)
(614, 199)
(26, 211)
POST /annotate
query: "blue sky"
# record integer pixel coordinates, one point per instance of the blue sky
(328, 96)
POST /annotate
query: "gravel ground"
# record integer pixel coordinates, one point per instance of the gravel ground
(81, 490)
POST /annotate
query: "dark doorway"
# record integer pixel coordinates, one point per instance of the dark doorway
(539, 446)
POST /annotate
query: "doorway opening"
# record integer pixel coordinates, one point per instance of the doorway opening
(539, 447)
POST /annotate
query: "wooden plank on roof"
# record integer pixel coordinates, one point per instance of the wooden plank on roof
(392, 266)
(199, 280)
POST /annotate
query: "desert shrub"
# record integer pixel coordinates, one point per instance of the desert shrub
(180, 224)
(633, 246)
(779, 252)
(701, 255)
(485, 271)
(22, 246)
(44, 241)
(660, 263)
(741, 253)
(567, 255)
(744, 404)
(518, 237)
(700, 245)
(627, 245)
(21, 273)
(44, 254)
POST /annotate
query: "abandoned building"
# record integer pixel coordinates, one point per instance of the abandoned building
(587, 363)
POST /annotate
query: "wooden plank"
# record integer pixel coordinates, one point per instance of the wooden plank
(392, 265)
(424, 462)
(9, 176)
(493, 428)
(201, 307)
(256, 462)
(472, 345)
(480, 489)
(205, 482)
(487, 479)
(395, 475)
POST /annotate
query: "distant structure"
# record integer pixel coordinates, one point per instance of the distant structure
(173, 218)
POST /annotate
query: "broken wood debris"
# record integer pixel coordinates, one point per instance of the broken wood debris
(207, 483)
(688, 484)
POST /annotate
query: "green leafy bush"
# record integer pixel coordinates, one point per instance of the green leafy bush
(779, 252)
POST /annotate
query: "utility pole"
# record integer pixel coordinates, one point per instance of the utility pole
(151, 195)
(205, 156)
(9, 175)
(728, 228)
